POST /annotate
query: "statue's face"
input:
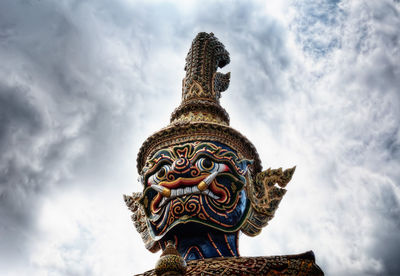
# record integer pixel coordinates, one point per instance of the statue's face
(199, 182)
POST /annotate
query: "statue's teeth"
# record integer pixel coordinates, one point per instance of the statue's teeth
(195, 190)
(213, 195)
(162, 190)
(210, 194)
(163, 201)
(210, 178)
(180, 192)
(174, 193)
(203, 185)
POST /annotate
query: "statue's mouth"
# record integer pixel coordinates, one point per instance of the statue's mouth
(208, 192)
(184, 187)
(181, 192)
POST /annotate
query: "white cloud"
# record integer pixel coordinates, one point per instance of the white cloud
(336, 126)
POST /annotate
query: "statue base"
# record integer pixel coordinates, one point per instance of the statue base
(301, 264)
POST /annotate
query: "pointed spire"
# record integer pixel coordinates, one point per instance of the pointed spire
(202, 80)
(200, 117)
(202, 85)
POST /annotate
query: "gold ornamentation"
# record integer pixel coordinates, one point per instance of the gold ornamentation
(139, 220)
(202, 186)
(182, 133)
(265, 197)
(199, 117)
(195, 91)
(202, 81)
(170, 262)
(300, 265)
(203, 106)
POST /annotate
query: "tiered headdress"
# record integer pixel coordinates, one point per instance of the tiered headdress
(200, 117)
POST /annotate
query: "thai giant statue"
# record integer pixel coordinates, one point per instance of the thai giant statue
(202, 180)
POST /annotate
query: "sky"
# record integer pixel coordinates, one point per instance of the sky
(314, 84)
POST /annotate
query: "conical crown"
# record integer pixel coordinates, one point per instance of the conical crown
(202, 86)
(200, 116)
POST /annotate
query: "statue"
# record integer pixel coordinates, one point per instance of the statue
(202, 180)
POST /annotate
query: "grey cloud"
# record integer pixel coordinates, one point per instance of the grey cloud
(74, 80)
(19, 180)
(53, 96)
(315, 24)
(362, 74)
(257, 44)
(337, 118)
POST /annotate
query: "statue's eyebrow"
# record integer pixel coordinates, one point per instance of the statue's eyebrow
(158, 161)
(163, 155)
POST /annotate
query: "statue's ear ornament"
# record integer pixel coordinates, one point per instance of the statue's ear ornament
(139, 220)
(265, 193)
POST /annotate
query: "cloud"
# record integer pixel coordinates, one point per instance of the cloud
(339, 117)
(82, 84)
(75, 86)
(58, 106)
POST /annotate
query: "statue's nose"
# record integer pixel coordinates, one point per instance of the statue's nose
(181, 165)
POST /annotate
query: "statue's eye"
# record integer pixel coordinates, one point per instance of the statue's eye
(159, 175)
(205, 164)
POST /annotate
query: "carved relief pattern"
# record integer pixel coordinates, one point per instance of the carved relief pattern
(197, 146)
(178, 171)
(186, 132)
(301, 265)
(265, 197)
(202, 61)
(139, 220)
(199, 117)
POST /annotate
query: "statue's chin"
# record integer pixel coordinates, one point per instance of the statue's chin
(199, 209)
